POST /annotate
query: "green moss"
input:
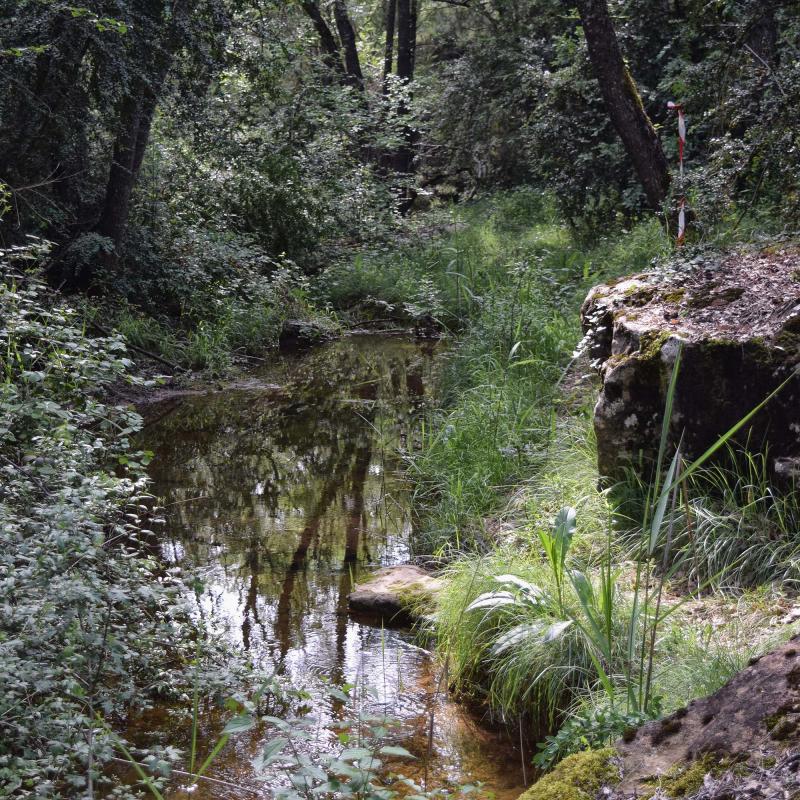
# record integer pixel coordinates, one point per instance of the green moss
(633, 91)
(685, 779)
(577, 777)
(416, 598)
(638, 295)
(675, 296)
(783, 728)
(788, 340)
(771, 720)
(651, 342)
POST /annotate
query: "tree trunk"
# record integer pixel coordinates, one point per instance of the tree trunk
(406, 42)
(347, 36)
(331, 53)
(405, 45)
(136, 119)
(412, 33)
(623, 102)
(391, 13)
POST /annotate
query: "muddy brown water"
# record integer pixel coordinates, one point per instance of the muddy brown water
(282, 491)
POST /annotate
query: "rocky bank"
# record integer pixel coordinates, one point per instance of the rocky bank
(736, 320)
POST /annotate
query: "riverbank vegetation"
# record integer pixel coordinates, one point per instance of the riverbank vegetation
(512, 445)
(183, 186)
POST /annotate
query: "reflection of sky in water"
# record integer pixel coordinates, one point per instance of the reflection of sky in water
(283, 497)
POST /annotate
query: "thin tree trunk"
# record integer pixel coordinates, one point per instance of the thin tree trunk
(136, 119)
(623, 102)
(406, 41)
(388, 58)
(331, 53)
(405, 48)
(347, 35)
(412, 34)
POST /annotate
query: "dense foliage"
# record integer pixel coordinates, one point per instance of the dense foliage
(263, 129)
(85, 606)
(515, 100)
(191, 180)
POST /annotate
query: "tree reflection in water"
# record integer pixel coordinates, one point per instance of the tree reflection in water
(301, 489)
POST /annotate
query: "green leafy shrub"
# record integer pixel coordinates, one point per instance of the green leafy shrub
(84, 605)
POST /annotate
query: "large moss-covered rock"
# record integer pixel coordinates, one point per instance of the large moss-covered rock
(738, 321)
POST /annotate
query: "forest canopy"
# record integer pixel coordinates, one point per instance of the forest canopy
(164, 139)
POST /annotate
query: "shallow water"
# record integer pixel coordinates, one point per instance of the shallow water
(284, 490)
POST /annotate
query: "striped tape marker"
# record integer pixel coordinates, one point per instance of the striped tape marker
(678, 108)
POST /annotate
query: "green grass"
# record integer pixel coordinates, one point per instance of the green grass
(510, 282)
(587, 686)
(513, 443)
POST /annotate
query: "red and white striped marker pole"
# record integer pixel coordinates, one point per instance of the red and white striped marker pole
(678, 108)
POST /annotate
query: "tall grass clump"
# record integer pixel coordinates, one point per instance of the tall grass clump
(519, 326)
(736, 529)
(574, 641)
(511, 638)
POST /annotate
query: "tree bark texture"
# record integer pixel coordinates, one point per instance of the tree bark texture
(388, 58)
(623, 102)
(405, 44)
(406, 30)
(136, 114)
(347, 36)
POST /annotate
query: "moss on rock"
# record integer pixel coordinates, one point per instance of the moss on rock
(577, 777)
(684, 780)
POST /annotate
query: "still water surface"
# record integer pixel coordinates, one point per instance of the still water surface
(285, 489)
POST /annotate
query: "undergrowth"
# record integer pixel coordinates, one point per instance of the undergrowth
(511, 444)
(85, 607)
(219, 322)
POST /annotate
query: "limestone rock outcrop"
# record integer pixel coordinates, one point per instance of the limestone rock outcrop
(737, 320)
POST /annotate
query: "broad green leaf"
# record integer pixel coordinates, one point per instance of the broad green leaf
(492, 600)
(661, 505)
(564, 530)
(391, 750)
(272, 751)
(354, 753)
(517, 635)
(556, 630)
(530, 589)
(244, 722)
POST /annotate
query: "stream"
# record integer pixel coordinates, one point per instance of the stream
(285, 489)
